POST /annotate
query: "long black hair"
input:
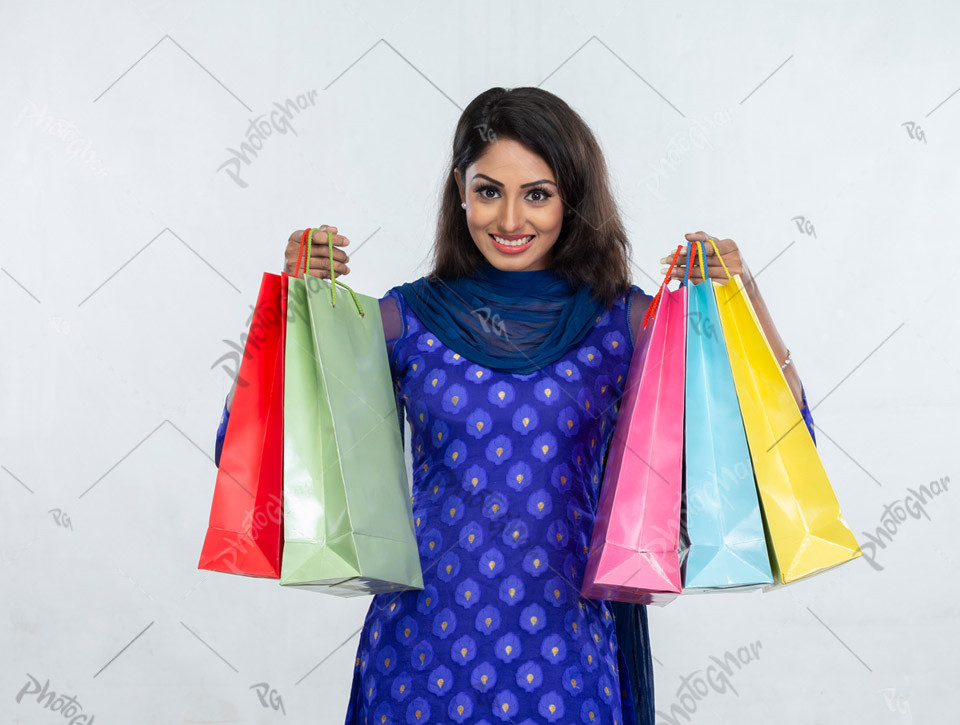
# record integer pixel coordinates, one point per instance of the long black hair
(592, 248)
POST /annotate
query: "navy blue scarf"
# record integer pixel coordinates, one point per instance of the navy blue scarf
(513, 321)
(520, 322)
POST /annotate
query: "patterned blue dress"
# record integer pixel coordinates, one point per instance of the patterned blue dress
(506, 476)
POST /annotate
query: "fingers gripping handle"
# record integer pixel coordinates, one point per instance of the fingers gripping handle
(717, 252)
(306, 245)
(655, 302)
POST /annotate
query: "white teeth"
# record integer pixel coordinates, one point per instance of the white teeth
(517, 243)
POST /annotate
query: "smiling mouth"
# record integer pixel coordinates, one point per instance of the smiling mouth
(512, 243)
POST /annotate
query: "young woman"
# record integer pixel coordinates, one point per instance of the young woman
(510, 359)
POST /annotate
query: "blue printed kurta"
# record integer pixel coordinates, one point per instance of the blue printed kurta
(507, 470)
(506, 475)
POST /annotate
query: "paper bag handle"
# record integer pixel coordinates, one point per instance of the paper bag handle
(717, 252)
(655, 302)
(306, 243)
(690, 260)
(706, 275)
(303, 245)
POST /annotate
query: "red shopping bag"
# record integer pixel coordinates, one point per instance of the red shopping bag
(245, 533)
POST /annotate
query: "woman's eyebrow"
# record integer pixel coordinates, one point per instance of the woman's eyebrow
(522, 186)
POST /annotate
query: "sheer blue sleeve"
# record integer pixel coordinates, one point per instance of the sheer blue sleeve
(805, 412)
(639, 302)
(392, 322)
(221, 432)
(393, 329)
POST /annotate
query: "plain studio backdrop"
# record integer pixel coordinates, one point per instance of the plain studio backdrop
(821, 137)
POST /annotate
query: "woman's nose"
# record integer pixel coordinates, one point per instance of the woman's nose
(510, 217)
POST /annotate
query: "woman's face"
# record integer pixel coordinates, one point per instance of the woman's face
(511, 192)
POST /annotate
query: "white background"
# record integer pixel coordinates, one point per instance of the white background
(793, 129)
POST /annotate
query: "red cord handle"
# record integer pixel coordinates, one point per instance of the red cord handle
(303, 246)
(655, 302)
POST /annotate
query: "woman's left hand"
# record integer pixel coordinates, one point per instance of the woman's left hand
(728, 251)
(735, 263)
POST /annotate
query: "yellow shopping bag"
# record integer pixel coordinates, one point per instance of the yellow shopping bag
(804, 527)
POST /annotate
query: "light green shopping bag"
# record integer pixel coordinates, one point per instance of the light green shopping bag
(348, 524)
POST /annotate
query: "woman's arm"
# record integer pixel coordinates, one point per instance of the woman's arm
(233, 389)
(776, 342)
(222, 431)
(733, 262)
(392, 322)
(392, 330)
(319, 265)
(224, 419)
(780, 352)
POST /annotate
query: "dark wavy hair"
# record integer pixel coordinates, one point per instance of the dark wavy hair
(592, 248)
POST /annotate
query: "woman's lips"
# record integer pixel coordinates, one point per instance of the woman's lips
(515, 249)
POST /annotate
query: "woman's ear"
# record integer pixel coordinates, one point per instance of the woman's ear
(456, 177)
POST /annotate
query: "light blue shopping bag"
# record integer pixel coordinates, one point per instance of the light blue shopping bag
(722, 542)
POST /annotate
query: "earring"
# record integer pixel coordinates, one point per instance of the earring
(463, 205)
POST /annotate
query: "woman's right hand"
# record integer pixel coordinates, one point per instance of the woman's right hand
(320, 253)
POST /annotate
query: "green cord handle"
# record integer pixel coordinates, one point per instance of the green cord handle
(333, 282)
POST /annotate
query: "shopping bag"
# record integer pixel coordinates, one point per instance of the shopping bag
(722, 545)
(804, 526)
(245, 535)
(633, 549)
(348, 523)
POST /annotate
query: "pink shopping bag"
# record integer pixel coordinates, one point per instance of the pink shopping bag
(633, 554)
